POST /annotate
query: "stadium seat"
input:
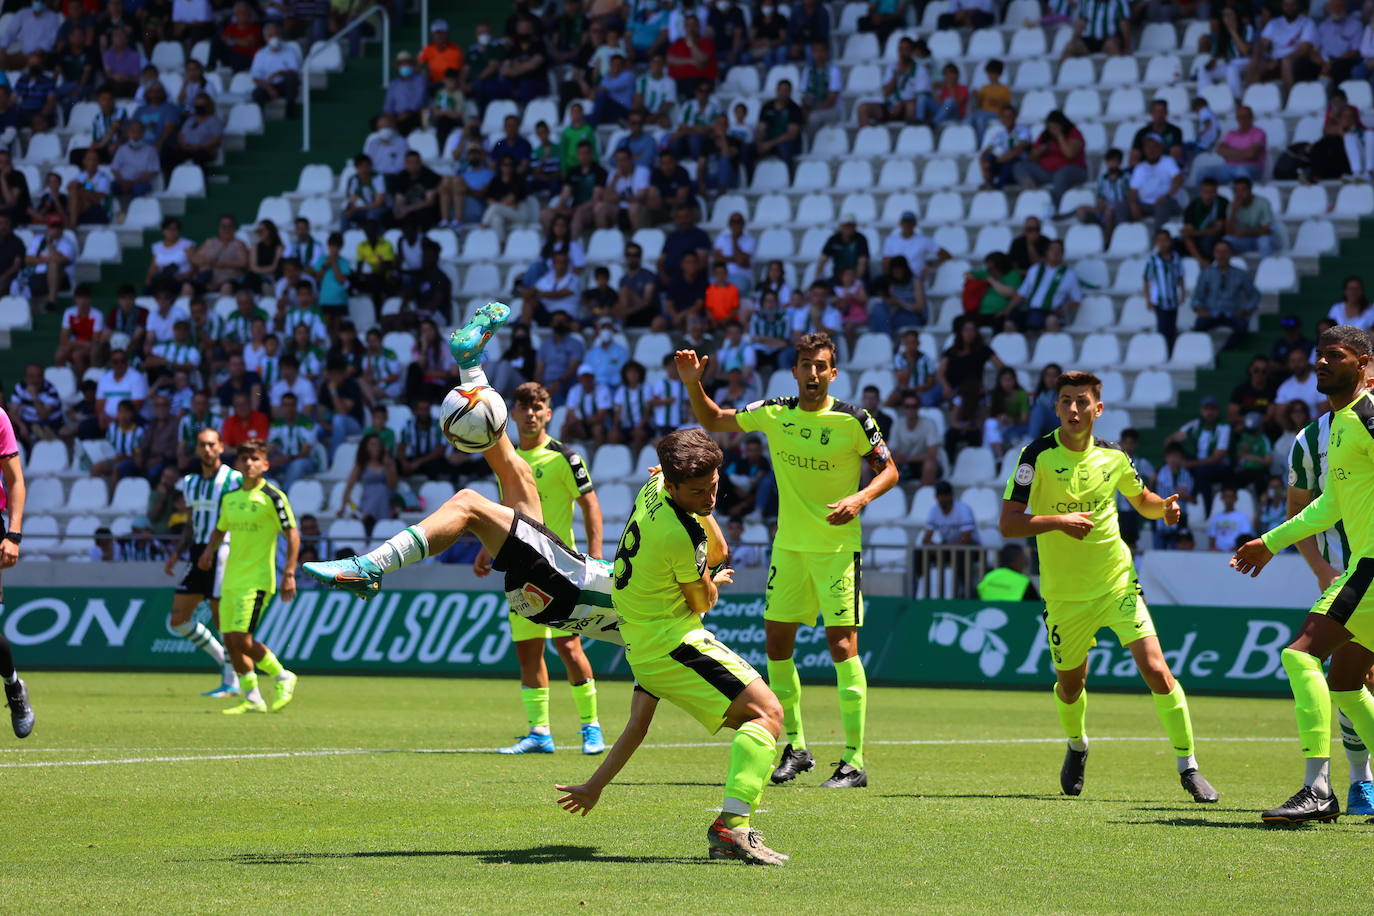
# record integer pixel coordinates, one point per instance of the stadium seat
(1030, 203)
(1307, 201)
(946, 44)
(774, 245)
(277, 209)
(523, 246)
(143, 213)
(812, 175)
(1083, 104)
(855, 174)
(1053, 347)
(872, 351)
(1100, 350)
(1276, 275)
(187, 181)
(306, 497)
(897, 204)
(914, 140)
(865, 79)
(1192, 350)
(1095, 313)
(776, 74)
(1152, 388)
(1111, 423)
(953, 239)
(319, 212)
(344, 459)
(830, 143)
(974, 466)
(1262, 98)
(611, 462)
(922, 501)
(78, 535)
(1083, 240)
(314, 180)
(1119, 72)
(890, 508)
(1113, 385)
(1129, 240)
(741, 81)
(860, 47)
(984, 502)
(43, 149)
(771, 175)
(949, 279)
(1076, 73)
(480, 246)
(347, 534)
(1145, 351)
(88, 494)
(1157, 38)
(772, 210)
(957, 140)
(816, 210)
(244, 118)
(1316, 237)
(1135, 315)
(1355, 200)
(990, 239)
(988, 207)
(41, 530)
(888, 548)
(900, 174)
(1023, 16)
(481, 280)
(1161, 70)
(48, 458)
(938, 173)
(651, 241)
(131, 496)
(101, 247)
(617, 501)
(1305, 98)
(1010, 347)
(985, 44)
(1032, 73)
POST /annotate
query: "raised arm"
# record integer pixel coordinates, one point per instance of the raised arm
(711, 415)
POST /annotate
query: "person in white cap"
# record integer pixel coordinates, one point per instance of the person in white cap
(440, 55)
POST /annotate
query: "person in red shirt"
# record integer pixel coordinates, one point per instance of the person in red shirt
(242, 424)
(81, 328)
(440, 55)
(722, 298)
(239, 40)
(692, 58)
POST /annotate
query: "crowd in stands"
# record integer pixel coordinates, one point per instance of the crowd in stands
(641, 127)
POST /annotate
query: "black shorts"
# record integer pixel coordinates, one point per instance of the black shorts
(1094, 45)
(203, 582)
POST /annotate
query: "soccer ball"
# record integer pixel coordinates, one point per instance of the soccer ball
(473, 417)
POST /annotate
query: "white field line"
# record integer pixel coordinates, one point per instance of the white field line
(359, 751)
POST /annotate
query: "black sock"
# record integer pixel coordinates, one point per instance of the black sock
(6, 660)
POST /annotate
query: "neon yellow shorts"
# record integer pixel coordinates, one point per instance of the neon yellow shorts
(701, 676)
(1350, 600)
(800, 584)
(522, 628)
(1072, 625)
(240, 611)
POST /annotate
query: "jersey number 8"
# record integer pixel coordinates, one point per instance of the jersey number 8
(629, 546)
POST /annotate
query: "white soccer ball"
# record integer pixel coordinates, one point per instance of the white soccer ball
(473, 417)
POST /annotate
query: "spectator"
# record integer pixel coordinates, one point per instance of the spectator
(884, 17)
(81, 328)
(1354, 307)
(122, 65)
(192, 20)
(915, 441)
(221, 261)
(899, 299)
(807, 24)
(770, 331)
(630, 425)
(914, 372)
(407, 94)
(135, 165)
(238, 380)
(1251, 225)
(1169, 135)
(638, 291)
(448, 106)
(560, 238)
(1225, 296)
(722, 298)
(89, 194)
(1346, 149)
(193, 85)
(1050, 294)
(276, 68)
(265, 256)
(1255, 395)
(381, 377)
(1155, 182)
(1338, 42)
(989, 99)
(14, 202)
(574, 135)
(291, 443)
(950, 520)
(331, 271)
(77, 66)
(642, 147)
(365, 197)
(291, 383)
(375, 276)
(387, 148)
(614, 97)
(557, 290)
(11, 256)
(51, 201)
(655, 92)
(35, 406)
(546, 163)
(692, 137)
(590, 408)
(968, 14)
(51, 259)
(35, 28)
(607, 355)
(1206, 443)
(302, 247)
(1008, 413)
(1226, 527)
(685, 294)
(1004, 147)
(238, 41)
(821, 85)
(524, 72)
(421, 446)
(125, 452)
(482, 79)
(118, 383)
(462, 197)
(162, 318)
(1293, 419)
(199, 139)
(440, 55)
(734, 248)
(559, 356)
(1204, 221)
(1230, 44)
(847, 248)
(1242, 150)
(416, 192)
(1100, 26)
(692, 58)
(951, 98)
(160, 441)
(244, 422)
(768, 36)
(173, 354)
(1030, 246)
(341, 404)
(1164, 290)
(430, 290)
(1057, 158)
(906, 90)
(961, 366)
(668, 401)
(1254, 454)
(670, 187)
(159, 116)
(992, 288)
(780, 123)
(509, 204)
(685, 237)
(1301, 384)
(36, 90)
(1287, 48)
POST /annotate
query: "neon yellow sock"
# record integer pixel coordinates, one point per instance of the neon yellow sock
(1311, 702)
(1073, 717)
(1178, 724)
(1358, 707)
(536, 700)
(584, 695)
(269, 665)
(751, 760)
(853, 686)
(248, 683)
(786, 684)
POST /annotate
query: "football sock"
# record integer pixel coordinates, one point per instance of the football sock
(473, 376)
(200, 637)
(249, 683)
(1311, 702)
(853, 686)
(6, 659)
(1319, 775)
(1357, 709)
(584, 695)
(536, 700)
(1072, 717)
(1356, 752)
(786, 684)
(410, 546)
(269, 664)
(1172, 708)
(751, 759)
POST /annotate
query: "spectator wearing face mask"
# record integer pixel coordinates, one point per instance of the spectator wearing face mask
(406, 94)
(276, 69)
(199, 138)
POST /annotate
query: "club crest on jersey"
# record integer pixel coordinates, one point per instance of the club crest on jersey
(1024, 474)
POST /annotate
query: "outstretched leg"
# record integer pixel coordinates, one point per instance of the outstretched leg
(1172, 706)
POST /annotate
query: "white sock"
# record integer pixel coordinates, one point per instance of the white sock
(410, 546)
(1319, 775)
(254, 695)
(541, 730)
(474, 376)
(1079, 744)
(229, 675)
(1355, 752)
(202, 638)
(1187, 763)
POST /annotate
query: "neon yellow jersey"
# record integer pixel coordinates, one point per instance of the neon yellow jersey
(1349, 493)
(662, 546)
(1053, 480)
(817, 456)
(254, 518)
(560, 476)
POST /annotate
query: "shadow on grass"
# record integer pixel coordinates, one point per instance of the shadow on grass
(983, 795)
(537, 855)
(1209, 822)
(655, 782)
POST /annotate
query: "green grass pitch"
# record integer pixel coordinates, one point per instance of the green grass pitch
(949, 827)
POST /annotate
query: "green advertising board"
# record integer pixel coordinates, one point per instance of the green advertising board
(952, 643)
